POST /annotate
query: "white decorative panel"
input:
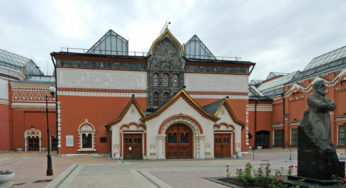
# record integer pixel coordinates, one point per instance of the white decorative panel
(216, 82)
(3, 89)
(69, 140)
(101, 79)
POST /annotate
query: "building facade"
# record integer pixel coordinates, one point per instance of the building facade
(173, 102)
(279, 102)
(22, 104)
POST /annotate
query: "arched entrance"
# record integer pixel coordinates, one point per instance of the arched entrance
(32, 140)
(262, 139)
(179, 142)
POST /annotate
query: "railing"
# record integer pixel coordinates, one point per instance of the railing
(144, 54)
(104, 52)
(211, 57)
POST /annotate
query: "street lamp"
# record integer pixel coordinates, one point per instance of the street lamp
(52, 91)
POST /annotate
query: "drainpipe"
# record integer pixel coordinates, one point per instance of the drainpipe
(110, 140)
(283, 116)
(254, 136)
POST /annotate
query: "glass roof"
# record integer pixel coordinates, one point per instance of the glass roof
(110, 44)
(15, 61)
(195, 49)
(41, 79)
(327, 58)
(274, 74)
(276, 83)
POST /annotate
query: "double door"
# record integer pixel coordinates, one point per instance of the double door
(179, 142)
(222, 145)
(133, 146)
(33, 143)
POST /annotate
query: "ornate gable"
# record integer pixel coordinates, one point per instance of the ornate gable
(165, 69)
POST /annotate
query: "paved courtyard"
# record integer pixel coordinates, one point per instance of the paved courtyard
(30, 169)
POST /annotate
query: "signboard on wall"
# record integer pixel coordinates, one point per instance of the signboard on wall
(69, 140)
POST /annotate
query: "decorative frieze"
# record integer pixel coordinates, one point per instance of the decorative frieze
(100, 94)
(32, 94)
(296, 98)
(328, 83)
(23, 105)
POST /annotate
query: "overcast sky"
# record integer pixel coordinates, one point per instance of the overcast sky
(279, 36)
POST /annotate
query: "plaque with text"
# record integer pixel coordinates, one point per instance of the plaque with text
(69, 140)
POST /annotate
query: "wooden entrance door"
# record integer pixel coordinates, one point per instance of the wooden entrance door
(179, 142)
(33, 143)
(133, 146)
(222, 145)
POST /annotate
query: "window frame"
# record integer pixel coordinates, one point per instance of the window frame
(278, 138)
(294, 139)
(165, 82)
(157, 82)
(343, 126)
(175, 79)
(158, 99)
(86, 129)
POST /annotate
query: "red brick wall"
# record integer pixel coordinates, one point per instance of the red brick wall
(4, 127)
(97, 110)
(26, 119)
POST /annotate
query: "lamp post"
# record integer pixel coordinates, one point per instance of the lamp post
(52, 91)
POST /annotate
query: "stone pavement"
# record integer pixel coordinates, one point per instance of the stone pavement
(102, 172)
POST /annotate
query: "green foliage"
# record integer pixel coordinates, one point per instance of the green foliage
(5, 172)
(228, 173)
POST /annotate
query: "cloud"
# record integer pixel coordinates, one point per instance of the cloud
(280, 36)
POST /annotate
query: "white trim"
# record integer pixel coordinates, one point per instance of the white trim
(99, 94)
(277, 125)
(92, 132)
(58, 114)
(340, 119)
(4, 101)
(32, 105)
(260, 107)
(15, 73)
(315, 79)
(219, 96)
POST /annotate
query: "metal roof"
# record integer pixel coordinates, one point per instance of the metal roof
(110, 44)
(213, 107)
(274, 74)
(327, 58)
(253, 91)
(195, 49)
(17, 62)
(277, 83)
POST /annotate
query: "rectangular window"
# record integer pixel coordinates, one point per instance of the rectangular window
(294, 137)
(341, 135)
(103, 139)
(278, 137)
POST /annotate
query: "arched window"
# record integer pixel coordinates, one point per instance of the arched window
(175, 80)
(165, 80)
(156, 99)
(86, 134)
(156, 80)
(165, 97)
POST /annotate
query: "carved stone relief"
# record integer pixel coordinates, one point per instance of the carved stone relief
(166, 59)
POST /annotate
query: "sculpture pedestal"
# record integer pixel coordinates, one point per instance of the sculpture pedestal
(317, 162)
(312, 181)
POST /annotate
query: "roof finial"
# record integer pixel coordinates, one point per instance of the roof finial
(165, 27)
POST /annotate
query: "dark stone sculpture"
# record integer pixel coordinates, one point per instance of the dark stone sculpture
(317, 158)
